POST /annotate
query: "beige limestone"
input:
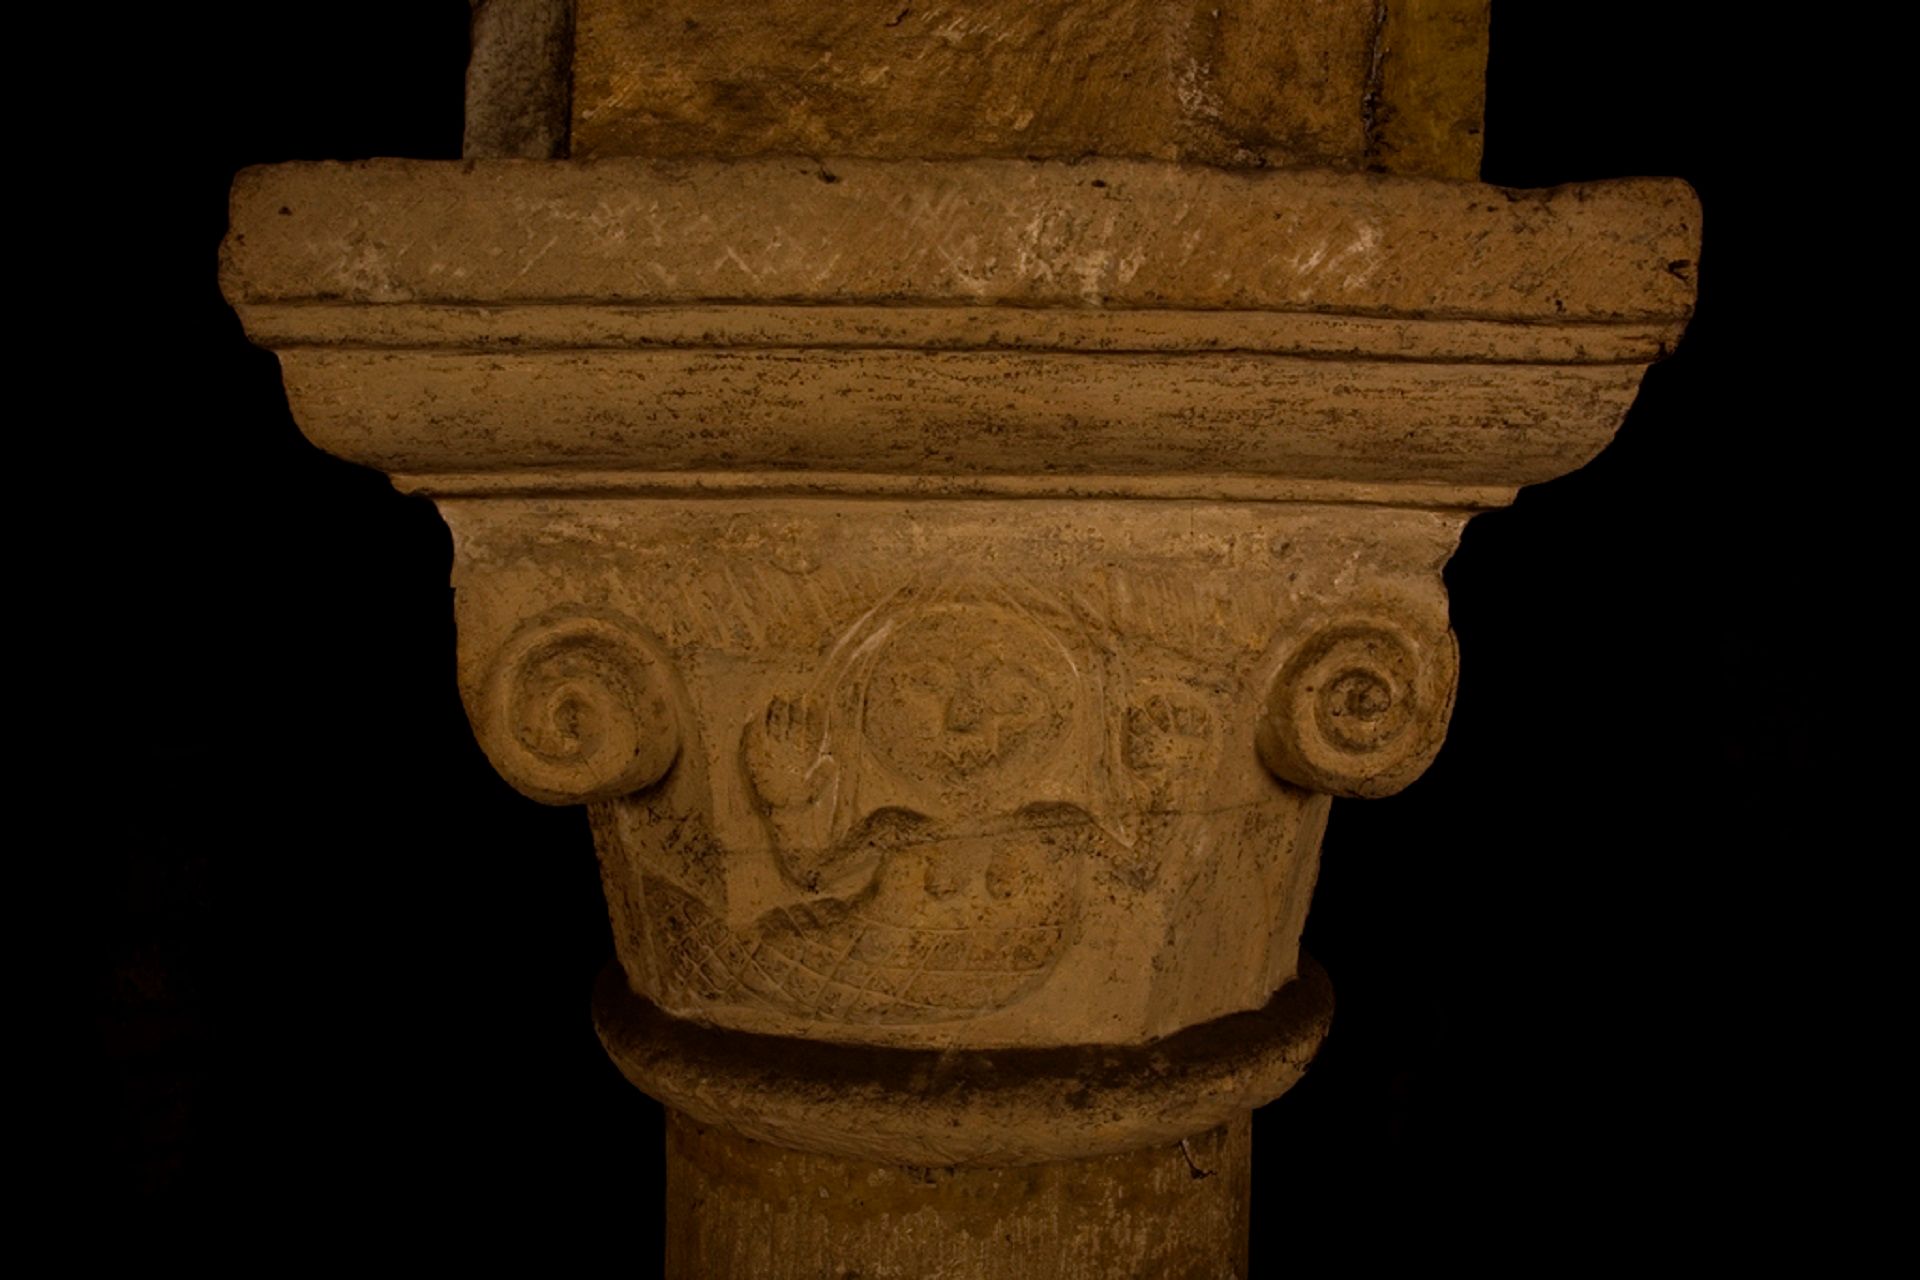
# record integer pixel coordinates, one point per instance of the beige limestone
(957, 625)
(940, 1108)
(949, 772)
(958, 587)
(1220, 81)
(987, 323)
(1173, 1211)
(1111, 235)
(1391, 84)
(519, 75)
(1430, 92)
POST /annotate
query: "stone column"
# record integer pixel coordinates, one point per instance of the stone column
(958, 587)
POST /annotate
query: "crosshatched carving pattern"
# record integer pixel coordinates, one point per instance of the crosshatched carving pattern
(958, 771)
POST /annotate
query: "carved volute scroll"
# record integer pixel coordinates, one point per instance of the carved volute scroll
(1360, 707)
(956, 510)
(575, 709)
(951, 772)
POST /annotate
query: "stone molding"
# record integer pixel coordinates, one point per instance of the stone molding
(929, 1108)
(956, 588)
(956, 515)
(1108, 327)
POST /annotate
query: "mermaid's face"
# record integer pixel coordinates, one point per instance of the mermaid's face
(963, 694)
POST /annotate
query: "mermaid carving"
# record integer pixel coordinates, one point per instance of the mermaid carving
(934, 794)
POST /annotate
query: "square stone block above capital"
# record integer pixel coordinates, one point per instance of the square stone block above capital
(956, 586)
(1341, 83)
(956, 490)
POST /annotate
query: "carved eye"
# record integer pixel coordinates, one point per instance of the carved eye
(1009, 692)
(931, 678)
(966, 689)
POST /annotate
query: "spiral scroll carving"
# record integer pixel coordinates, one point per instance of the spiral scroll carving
(1360, 708)
(577, 708)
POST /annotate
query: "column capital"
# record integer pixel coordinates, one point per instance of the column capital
(957, 589)
(956, 586)
(1002, 327)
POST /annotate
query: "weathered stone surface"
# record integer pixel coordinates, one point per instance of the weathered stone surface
(1108, 234)
(586, 325)
(1216, 81)
(1031, 745)
(519, 78)
(967, 1108)
(1395, 85)
(575, 707)
(443, 417)
(1176, 1211)
(1430, 104)
(952, 773)
(1123, 327)
(958, 586)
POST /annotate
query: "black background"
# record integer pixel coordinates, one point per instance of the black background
(341, 971)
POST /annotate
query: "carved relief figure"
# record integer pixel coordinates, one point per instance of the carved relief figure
(935, 796)
(941, 791)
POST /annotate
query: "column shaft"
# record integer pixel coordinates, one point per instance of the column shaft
(739, 1208)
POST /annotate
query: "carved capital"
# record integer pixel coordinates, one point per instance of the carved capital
(1360, 706)
(575, 708)
(930, 694)
(925, 555)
